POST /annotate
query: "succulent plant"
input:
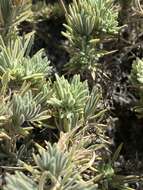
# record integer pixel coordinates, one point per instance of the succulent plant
(137, 81)
(12, 14)
(54, 165)
(88, 23)
(72, 102)
(14, 59)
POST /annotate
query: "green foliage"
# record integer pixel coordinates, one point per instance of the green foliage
(53, 165)
(15, 60)
(137, 81)
(36, 67)
(68, 104)
(73, 102)
(86, 60)
(92, 107)
(28, 99)
(57, 169)
(44, 93)
(56, 162)
(20, 181)
(69, 100)
(12, 13)
(19, 73)
(90, 18)
(88, 23)
(22, 108)
(25, 108)
(137, 72)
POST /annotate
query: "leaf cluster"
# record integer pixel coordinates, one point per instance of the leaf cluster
(88, 23)
(12, 13)
(137, 80)
(55, 172)
(73, 102)
(14, 59)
